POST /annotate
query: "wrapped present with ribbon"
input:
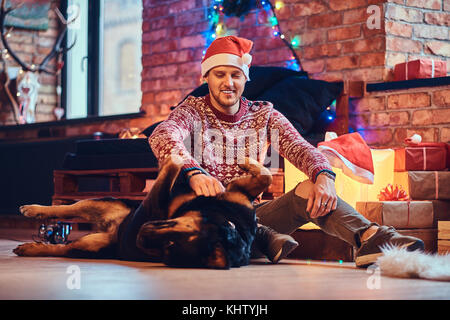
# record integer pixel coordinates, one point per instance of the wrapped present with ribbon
(429, 185)
(394, 209)
(398, 214)
(420, 69)
(420, 156)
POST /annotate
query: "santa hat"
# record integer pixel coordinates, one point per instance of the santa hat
(350, 153)
(228, 51)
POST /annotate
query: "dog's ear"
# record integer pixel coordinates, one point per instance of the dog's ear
(258, 180)
(218, 258)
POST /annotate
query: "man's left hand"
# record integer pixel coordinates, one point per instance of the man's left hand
(322, 198)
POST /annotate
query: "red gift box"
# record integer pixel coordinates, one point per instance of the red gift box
(422, 157)
(420, 69)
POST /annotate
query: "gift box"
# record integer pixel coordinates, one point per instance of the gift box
(348, 189)
(398, 214)
(420, 69)
(423, 157)
(425, 185)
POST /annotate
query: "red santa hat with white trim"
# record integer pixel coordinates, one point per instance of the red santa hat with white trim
(228, 51)
(350, 153)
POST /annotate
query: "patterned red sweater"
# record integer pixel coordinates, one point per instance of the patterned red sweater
(216, 142)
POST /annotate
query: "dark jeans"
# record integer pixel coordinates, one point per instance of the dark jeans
(288, 212)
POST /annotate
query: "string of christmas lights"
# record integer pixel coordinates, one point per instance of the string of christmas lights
(240, 8)
(222, 8)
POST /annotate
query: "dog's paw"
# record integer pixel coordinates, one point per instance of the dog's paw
(33, 211)
(29, 249)
(253, 167)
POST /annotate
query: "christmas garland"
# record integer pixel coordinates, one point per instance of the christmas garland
(241, 8)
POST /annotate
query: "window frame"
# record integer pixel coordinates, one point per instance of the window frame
(95, 68)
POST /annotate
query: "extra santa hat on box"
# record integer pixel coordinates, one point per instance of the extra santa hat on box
(228, 51)
(350, 153)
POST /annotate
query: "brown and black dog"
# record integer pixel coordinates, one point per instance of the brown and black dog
(182, 230)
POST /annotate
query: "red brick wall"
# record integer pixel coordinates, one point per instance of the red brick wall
(417, 29)
(386, 118)
(335, 44)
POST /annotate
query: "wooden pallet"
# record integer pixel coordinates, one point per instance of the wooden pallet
(132, 183)
(443, 237)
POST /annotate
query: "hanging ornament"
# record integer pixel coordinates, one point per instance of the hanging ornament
(59, 113)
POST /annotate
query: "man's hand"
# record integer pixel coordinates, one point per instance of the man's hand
(204, 185)
(322, 198)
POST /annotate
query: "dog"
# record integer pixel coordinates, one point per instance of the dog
(179, 229)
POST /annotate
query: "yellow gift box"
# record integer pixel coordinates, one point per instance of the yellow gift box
(348, 189)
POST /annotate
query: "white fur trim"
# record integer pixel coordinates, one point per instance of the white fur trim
(398, 262)
(353, 171)
(247, 58)
(225, 59)
(330, 135)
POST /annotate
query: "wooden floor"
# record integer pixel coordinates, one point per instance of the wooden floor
(48, 278)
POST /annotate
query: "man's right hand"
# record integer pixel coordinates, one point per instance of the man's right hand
(204, 185)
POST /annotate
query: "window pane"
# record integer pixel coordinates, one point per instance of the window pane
(120, 59)
(76, 62)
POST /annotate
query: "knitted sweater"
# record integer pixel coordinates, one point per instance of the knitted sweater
(208, 139)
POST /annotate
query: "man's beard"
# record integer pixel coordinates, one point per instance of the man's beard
(225, 102)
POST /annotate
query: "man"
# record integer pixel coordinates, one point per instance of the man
(225, 127)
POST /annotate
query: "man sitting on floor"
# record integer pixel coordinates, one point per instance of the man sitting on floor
(225, 127)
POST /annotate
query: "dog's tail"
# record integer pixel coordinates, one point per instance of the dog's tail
(157, 200)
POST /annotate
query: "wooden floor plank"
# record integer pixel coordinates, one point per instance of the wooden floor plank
(46, 278)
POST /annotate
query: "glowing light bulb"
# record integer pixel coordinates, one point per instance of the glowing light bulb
(279, 5)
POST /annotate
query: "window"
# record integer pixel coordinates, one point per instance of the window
(103, 70)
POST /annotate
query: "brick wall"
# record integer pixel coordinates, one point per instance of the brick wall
(417, 29)
(335, 44)
(32, 46)
(386, 118)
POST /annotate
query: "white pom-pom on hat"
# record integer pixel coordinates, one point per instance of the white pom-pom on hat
(246, 59)
(415, 138)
